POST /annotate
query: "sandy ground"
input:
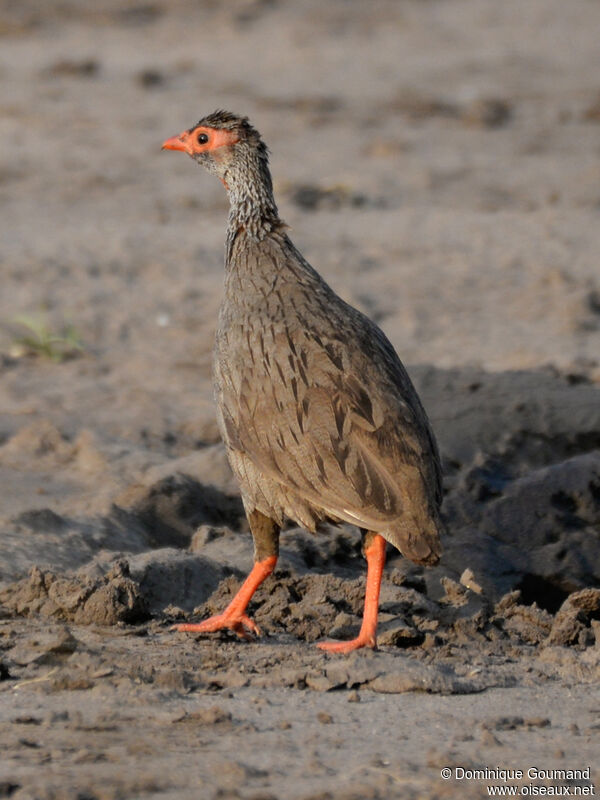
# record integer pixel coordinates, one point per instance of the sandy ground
(438, 162)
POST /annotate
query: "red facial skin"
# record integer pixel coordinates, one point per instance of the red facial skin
(188, 140)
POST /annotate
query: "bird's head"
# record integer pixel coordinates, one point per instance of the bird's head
(222, 143)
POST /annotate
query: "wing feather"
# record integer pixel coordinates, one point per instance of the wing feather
(349, 451)
(314, 397)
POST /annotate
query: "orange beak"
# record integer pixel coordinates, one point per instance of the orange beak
(177, 143)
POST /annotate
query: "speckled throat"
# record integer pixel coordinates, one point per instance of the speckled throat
(250, 189)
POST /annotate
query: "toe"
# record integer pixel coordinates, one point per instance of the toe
(347, 647)
(194, 627)
(242, 625)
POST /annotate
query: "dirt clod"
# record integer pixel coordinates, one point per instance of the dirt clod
(105, 601)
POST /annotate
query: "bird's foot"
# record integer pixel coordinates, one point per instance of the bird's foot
(241, 624)
(348, 647)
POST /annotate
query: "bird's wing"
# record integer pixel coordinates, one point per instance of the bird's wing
(349, 438)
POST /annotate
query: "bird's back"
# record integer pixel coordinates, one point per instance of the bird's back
(319, 416)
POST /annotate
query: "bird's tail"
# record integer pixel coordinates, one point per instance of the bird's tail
(418, 539)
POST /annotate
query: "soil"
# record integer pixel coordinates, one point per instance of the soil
(438, 163)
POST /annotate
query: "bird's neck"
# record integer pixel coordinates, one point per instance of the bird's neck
(253, 211)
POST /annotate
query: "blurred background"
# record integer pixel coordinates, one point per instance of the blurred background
(436, 159)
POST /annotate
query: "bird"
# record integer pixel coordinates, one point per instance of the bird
(319, 417)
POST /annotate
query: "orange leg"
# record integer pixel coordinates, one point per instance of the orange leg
(375, 555)
(234, 617)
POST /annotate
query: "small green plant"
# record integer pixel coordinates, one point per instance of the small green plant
(40, 340)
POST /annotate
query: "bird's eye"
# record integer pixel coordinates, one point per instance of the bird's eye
(202, 138)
